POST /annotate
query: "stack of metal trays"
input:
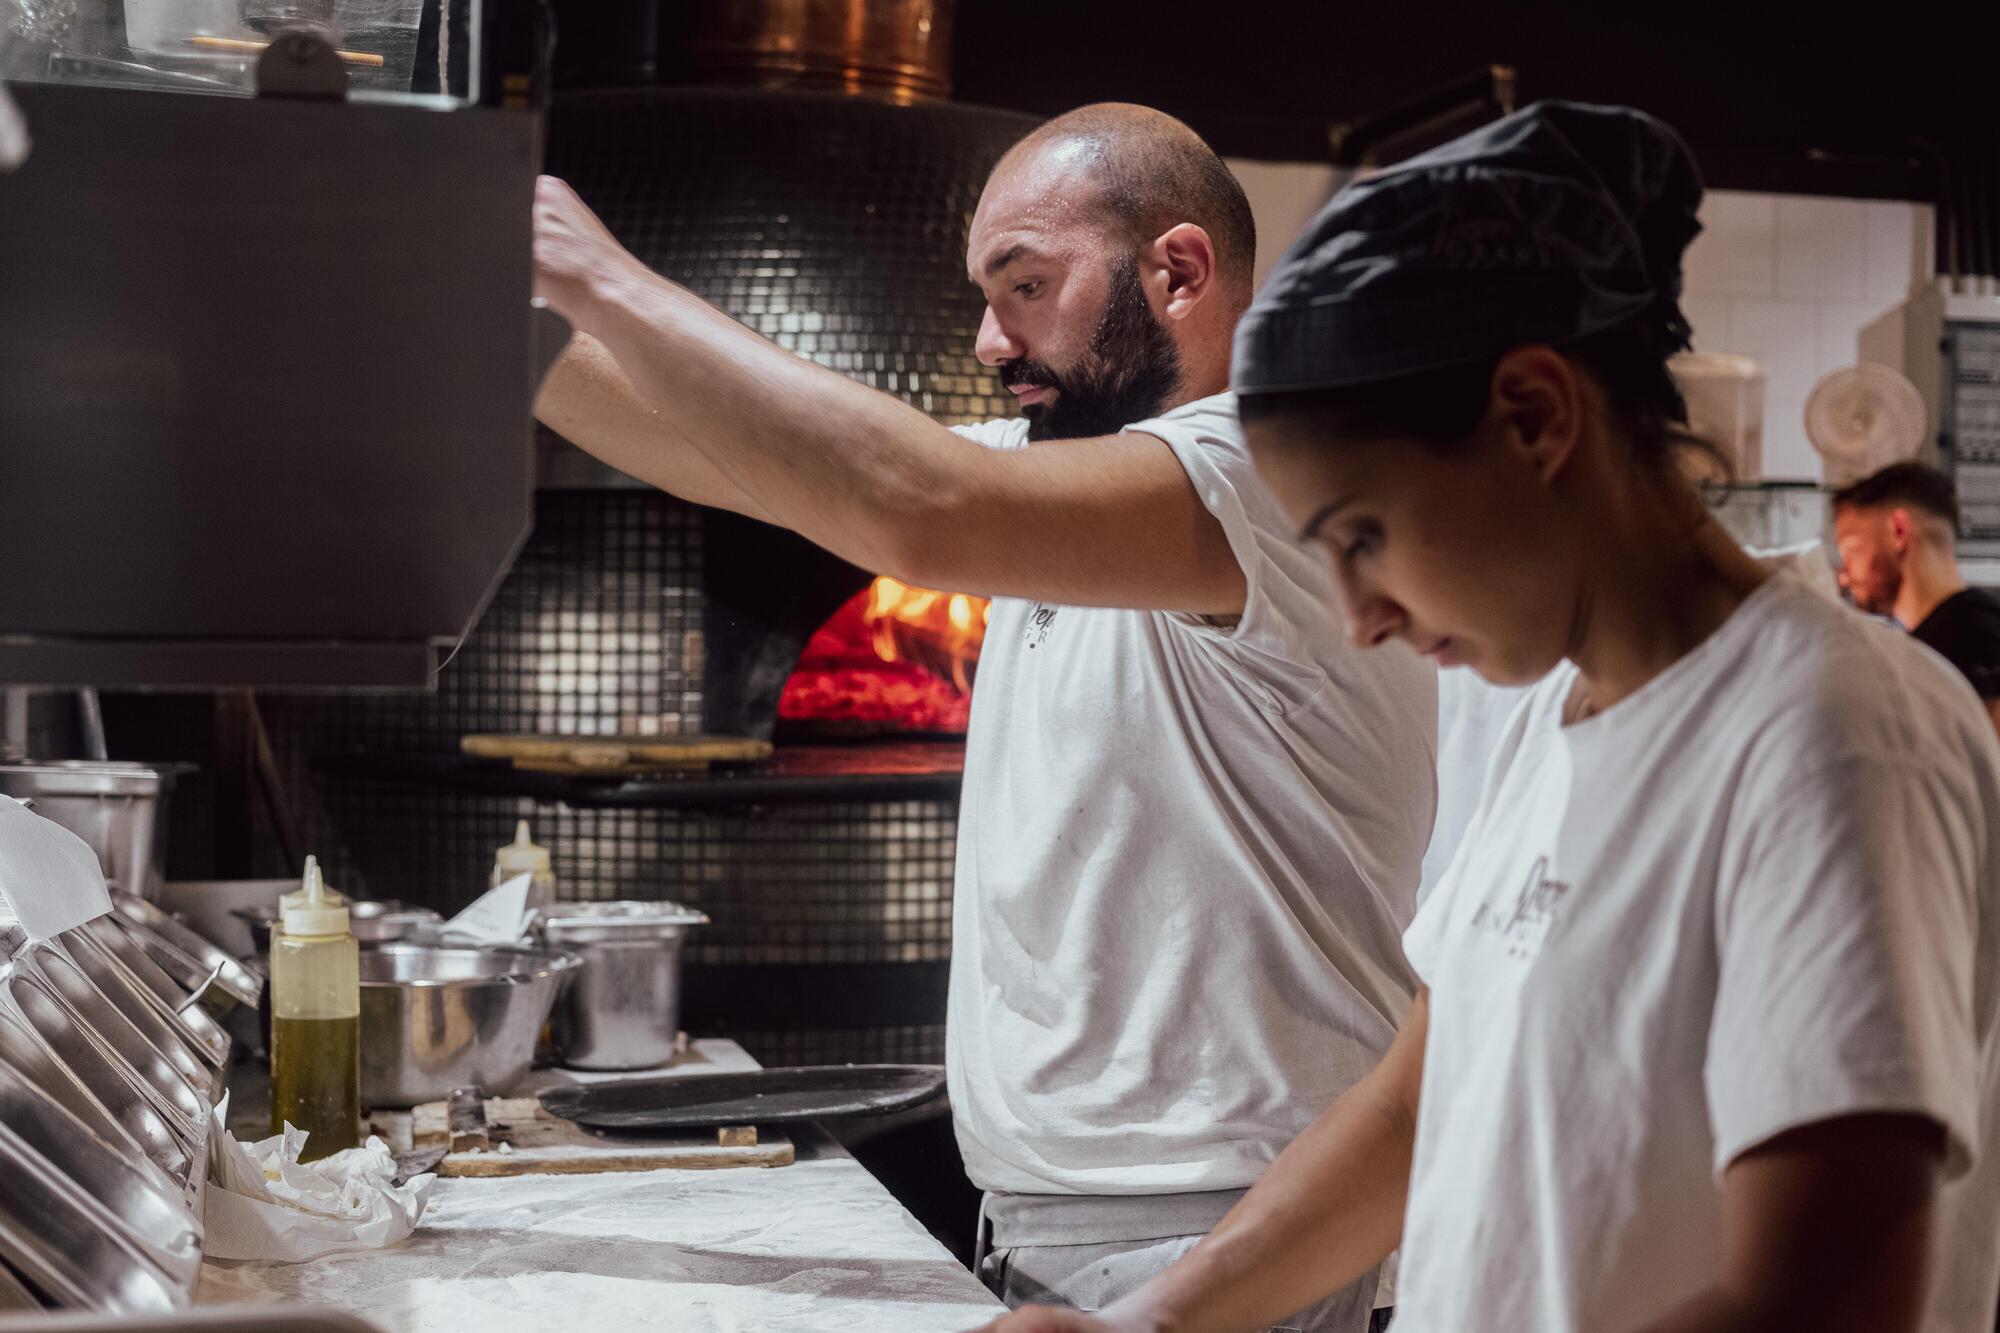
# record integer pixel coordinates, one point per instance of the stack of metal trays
(109, 1071)
(197, 964)
(110, 935)
(105, 1233)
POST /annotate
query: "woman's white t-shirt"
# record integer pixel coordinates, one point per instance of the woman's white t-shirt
(1761, 892)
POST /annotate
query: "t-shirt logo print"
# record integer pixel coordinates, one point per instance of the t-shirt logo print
(1039, 624)
(1524, 923)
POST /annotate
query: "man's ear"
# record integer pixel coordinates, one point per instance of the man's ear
(1185, 255)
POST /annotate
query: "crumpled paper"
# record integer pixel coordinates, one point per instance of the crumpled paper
(263, 1203)
(501, 915)
(48, 875)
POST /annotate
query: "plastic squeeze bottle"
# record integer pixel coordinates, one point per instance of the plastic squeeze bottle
(524, 856)
(316, 1019)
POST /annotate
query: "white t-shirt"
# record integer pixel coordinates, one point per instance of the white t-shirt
(1186, 855)
(1473, 714)
(1472, 717)
(1758, 893)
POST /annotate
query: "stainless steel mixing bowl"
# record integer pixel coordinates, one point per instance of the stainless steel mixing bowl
(437, 1017)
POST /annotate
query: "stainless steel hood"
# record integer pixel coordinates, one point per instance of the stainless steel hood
(266, 370)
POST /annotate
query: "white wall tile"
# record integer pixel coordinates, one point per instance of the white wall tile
(1783, 335)
(1709, 316)
(1736, 253)
(1840, 325)
(1822, 247)
(1898, 248)
(1788, 454)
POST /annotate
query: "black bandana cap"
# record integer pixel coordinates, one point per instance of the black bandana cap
(1558, 221)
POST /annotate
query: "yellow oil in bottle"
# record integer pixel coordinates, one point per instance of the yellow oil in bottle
(316, 1020)
(316, 1081)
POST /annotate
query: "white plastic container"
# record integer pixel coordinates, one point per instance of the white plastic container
(1725, 402)
(525, 856)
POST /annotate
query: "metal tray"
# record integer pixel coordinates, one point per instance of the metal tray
(139, 1007)
(765, 1097)
(180, 1078)
(155, 1017)
(115, 1085)
(113, 934)
(59, 1240)
(190, 959)
(14, 1296)
(146, 1209)
(22, 1050)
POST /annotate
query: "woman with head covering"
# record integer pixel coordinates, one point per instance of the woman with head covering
(1708, 1038)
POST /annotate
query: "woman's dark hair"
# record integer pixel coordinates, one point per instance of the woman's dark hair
(1444, 407)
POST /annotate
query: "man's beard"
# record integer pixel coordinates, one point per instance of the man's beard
(1879, 583)
(1127, 374)
(1878, 593)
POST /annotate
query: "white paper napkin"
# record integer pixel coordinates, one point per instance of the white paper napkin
(501, 915)
(263, 1203)
(49, 876)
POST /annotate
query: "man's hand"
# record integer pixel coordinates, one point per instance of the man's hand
(685, 397)
(573, 250)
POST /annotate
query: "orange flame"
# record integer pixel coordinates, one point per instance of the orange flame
(940, 631)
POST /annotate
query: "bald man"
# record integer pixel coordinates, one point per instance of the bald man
(1193, 818)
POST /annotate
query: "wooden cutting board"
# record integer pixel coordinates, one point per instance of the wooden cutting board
(615, 756)
(538, 1143)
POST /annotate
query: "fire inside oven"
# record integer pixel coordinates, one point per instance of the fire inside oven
(893, 659)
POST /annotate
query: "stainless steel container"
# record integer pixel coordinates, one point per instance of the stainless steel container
(111, 1082)
(114, 936)
(87, 1010)
(371, 921)
(61, 1240)
(118, 808)
(436, 1018)
(197, 963)
(15, 1298)
(142, 1205)
(22, 1050)
(623, 1008)
(153, 1017)
(112, 1005)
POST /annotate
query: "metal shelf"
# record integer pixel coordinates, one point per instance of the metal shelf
(874, 771)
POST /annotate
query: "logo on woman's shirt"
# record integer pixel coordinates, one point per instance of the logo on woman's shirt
(1524, 923)
(1039, 624)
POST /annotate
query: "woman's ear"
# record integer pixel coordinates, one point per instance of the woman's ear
(1538, 406)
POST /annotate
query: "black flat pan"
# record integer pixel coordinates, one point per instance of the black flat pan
(763, 1097)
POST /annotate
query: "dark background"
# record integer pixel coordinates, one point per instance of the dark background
(1892, 100)
(1756, 87)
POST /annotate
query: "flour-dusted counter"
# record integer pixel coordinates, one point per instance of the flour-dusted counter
(818, 1245)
